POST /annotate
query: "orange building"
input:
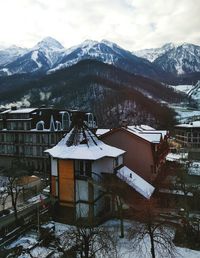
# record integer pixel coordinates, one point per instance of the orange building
(79, 164)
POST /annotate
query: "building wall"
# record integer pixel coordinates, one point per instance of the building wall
(84, 193)
(103, 165)
(54, 167)
(66, 182)
(188, 137)
(82, 199)
(106, 165)
(82, 190)
(138, 156)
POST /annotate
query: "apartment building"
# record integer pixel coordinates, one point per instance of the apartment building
(26, 133)
(188, 135)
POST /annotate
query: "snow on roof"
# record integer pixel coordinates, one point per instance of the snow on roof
(147, 132)
(5, 111)
(22, 110)
(141, 127)
(147, 127)
(19, 111)
(101, 131)
(150, 137)
(190, 125)
(87, 147)
(162, 132)
(175, 192)
(136, 182)
(176, 156)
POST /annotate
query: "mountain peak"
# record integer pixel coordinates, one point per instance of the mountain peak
(108, 43)
(89, 43)
(49, 43)
(168, 46)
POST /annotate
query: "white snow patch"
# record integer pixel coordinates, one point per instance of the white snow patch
(45, 95)
(100, 132)
(194, 168)
(136, 182)
(176, 156)
(23, 102)
(35, 58)
(183, 88)
(6, 70)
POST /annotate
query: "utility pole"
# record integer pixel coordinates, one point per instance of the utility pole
(38, 218)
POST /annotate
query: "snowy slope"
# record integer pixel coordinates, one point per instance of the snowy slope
(152, 54)
(180, 60)
(195, 92)
(39, 58)
(8, 55)
(51, 48)
(176, 59)
(183, 88)
(108, 53)
(49, 55)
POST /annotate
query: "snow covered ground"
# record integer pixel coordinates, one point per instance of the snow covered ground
(194, 168)
(125, 250)
(177, 156)
(184, 113)
(182, 88)
(124, 247)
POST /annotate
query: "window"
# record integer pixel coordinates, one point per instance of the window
(116, 162)
(40, 126)
(194, 134)
(58, 126)
(20, 126)
(66, 121)
(38, 138)
(38, 151)
(2, 148)
(28, 150)
(2, 137)
(13, 125)
(83, 168)
(52, 139)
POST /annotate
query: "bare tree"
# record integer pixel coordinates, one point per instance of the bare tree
(89, 241)
(13, 175)
(151, 235)
(3, 197)
(114, 187)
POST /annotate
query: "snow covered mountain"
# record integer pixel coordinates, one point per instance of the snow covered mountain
(165, 64)
(51, 48)
(8, 55)
(109, 53)
(152, 54)
(183, 59)
(49, 56)
(40, 58)
(176, 59)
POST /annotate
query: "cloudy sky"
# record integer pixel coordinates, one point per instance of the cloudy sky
(133, 24)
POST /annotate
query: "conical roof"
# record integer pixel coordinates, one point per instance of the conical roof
(82, 143)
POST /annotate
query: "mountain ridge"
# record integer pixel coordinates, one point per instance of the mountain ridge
(172, 63)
